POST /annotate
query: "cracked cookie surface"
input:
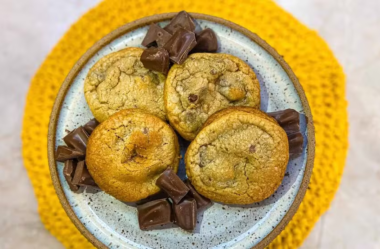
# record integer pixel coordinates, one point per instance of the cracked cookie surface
(238, 158)
(204, 84)
(120, 81)
(129, 151)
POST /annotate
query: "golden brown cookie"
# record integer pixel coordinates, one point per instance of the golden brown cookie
(204, 84)
(119, 81)
(238, 158)
(129, 151)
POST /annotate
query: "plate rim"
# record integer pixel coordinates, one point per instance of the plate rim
(154, 19)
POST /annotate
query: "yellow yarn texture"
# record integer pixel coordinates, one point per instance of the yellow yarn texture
(307, 54)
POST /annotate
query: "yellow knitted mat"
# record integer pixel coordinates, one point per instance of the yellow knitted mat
(308, 55)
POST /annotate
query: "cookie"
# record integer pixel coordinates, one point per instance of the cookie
(129, 151)
(120, 81)
(204, 84)
(239, 157)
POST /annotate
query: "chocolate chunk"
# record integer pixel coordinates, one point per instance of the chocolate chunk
(206, 41)
(201, 200)
(291, 128)
(150, 37)
(185, 214)
(77, 139)
(159, 195)
(252, 148)
(181, 20)
(156, 35)
(90, 126)
(156, 59)
(64, 153)
(295, 144)
(162, 38)
(289, 120)
(154, 213)
(172, 185)
(82, 177)
(68, 172)
(192, 98)
(179, 46)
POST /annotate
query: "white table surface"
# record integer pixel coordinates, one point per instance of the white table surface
(351, 28)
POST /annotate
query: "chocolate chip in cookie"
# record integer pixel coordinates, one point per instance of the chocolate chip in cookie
(193, 98)
(252, 148)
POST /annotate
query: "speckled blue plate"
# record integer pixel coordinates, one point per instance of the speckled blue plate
(107, 222)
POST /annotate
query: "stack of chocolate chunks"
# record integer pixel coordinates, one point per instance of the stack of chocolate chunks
(174, 42)
(289, 120)
(180, 208)
(73, 155)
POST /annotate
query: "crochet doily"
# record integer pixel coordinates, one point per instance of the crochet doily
(307, 54)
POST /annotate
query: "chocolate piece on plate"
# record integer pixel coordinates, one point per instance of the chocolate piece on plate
(82, 177)
(287, 118)
(291, 128)
(185, 214)
(64, 153)
(77, 139)
(172, 185)
(295, 144)
(159, 195)
(156, 59)
(206, 41)
(68, 172)
(156, 36)
(201, 200)
(154, 213)
(181, 20)
(90, 126)
(179, 46)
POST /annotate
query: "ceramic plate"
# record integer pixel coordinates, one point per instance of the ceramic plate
(107, 222)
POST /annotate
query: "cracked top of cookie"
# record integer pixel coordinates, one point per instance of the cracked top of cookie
(238, 158)
(120, 81)
(204, 84)
(129, 151)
